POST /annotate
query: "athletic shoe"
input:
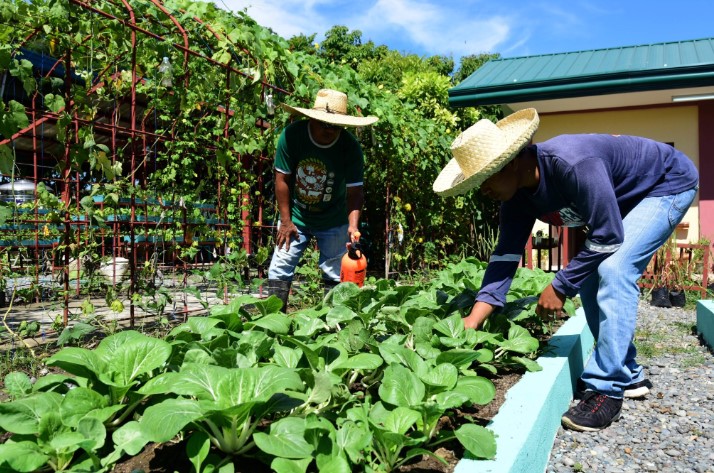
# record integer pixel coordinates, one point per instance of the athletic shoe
(595, 412)
(638, 390)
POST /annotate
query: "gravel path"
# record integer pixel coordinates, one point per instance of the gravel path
(672, 429)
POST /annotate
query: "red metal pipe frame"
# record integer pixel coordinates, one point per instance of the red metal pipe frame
(175, 45)
(116, 129)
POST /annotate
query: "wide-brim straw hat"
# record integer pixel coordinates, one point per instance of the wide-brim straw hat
(331, 107)
(484, 149)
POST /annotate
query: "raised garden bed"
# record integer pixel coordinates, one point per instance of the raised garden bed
(393, 363)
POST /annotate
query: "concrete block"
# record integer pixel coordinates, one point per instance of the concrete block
(705, 321)
(528, 421)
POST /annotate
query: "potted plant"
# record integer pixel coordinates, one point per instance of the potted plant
(678, 275)
(544, 242)
(662, 276)
(671, 274)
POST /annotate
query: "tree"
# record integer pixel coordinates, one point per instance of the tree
(470, 63)
(441, 64)
(344, 46)
(305, 44)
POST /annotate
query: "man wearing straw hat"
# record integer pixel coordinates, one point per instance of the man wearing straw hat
(629, 193)
(318, 187)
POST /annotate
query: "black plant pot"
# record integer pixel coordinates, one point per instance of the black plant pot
(660, 297)
(677, 298)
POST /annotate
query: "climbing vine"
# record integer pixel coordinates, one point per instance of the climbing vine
(208, 133)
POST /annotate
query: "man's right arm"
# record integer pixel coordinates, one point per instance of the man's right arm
(514, 230)
(287, 229)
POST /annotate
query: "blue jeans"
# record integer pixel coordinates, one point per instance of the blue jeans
(610, 296)
(331, 243)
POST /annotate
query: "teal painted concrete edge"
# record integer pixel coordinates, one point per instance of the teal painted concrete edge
(528, 420)
(705, 321)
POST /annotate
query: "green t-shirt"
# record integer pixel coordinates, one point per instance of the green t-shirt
(320, 175)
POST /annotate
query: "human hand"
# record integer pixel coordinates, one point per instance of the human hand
(286, 232)
(550, 303)
(479, 313)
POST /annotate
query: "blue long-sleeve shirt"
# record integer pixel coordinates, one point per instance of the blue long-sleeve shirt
(585, 180)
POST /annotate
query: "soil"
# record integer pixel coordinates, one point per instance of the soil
(171, 457)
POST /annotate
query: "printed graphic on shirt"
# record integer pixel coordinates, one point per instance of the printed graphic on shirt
(565, 217)
(313, 183)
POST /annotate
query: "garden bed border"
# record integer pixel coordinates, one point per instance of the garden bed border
(528, 420)
(705, 321)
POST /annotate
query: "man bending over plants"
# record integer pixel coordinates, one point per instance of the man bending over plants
(629, 193)
(318, 186)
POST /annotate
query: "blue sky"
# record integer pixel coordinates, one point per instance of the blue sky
(509, 27)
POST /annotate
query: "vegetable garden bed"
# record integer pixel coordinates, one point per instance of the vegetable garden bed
(369, 380)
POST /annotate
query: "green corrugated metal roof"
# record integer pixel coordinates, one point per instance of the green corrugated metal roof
(596, 72)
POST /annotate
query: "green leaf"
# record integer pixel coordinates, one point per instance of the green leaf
(286, 439)
(94, 434)
(77, 331)
(308, 322)
(7, 160)
(256, 384)
(462, 358)
(310, 355)
(361, 361)
(336, 463)
(18, 384)
(531, 365)
(401, 387)
(23, 416)
(276, 323)
(162, 421)
(271, 305)
(321, 389)
(78, 402)
(22, 456)
(478, 441)
(339, 314)
(452, 326)
(443, 375)
(451, 399)
(54, 102)
(479, 390)
(285, 465)
(519, 340)
(203, 326)
(197, 448)
(393, 353)
(78, 361)
(130, 438)
(53, 382)
(354, 439)
(401, 419)
(136, 356)
(17, 118)
(286, 357)
(197, 380)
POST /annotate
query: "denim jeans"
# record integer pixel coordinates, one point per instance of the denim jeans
(331, 243)
(610, 296)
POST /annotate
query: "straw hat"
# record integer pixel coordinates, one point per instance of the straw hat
(484, 149)
(331, 107)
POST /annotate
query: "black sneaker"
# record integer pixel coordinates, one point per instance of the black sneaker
(595, 412)
(638, 390)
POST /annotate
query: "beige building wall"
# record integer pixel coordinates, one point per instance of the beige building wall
(678, 125)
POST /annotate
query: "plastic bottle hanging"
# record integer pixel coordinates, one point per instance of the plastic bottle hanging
(165, 73)
(270, 104)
